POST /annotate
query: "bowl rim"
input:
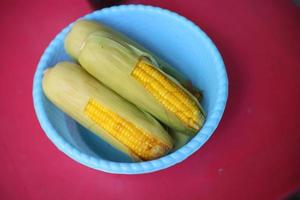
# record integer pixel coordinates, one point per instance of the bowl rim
(141, 167)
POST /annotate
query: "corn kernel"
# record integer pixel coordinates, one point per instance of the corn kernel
(167, 93)
(140, 142)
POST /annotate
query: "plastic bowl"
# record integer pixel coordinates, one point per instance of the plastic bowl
(172, 37)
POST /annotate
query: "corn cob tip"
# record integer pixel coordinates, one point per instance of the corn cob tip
(75, 39)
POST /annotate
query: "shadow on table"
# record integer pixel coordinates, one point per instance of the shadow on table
(99, 4)
(297, 2)
(295, 196)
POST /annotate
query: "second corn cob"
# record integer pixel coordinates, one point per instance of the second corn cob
(83, 28)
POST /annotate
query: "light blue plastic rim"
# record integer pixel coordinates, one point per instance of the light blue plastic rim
(141, 167)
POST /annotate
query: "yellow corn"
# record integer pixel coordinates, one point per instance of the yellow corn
(167, 93)
(105, 113)
(139, 141)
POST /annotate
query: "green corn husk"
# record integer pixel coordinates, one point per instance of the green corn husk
(179, 139)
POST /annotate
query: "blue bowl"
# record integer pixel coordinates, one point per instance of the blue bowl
(172, 37)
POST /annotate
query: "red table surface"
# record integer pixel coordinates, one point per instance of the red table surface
(253, 154)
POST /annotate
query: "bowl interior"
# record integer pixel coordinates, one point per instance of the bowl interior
(166, 35)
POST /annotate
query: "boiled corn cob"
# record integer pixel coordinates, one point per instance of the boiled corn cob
(83, 28)
(134, 74)
(105, 113)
